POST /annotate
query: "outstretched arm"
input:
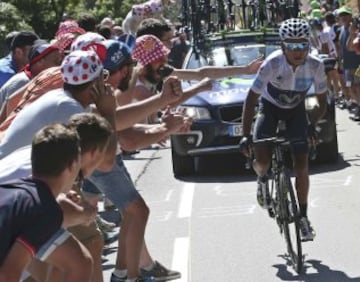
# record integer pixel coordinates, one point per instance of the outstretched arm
(217, 72)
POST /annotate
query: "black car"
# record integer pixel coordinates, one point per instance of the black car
(217, 113)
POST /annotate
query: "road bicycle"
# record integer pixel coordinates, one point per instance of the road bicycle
(284, 206)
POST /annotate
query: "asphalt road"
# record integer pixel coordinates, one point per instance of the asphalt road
(210, 227)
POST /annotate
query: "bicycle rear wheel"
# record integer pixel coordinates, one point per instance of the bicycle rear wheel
(291, 221)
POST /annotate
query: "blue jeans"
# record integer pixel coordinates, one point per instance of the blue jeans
(116, 184)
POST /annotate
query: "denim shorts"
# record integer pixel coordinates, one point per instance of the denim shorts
(350, 78)
(116, 184)
(55, 241)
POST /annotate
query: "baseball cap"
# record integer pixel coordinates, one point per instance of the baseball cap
(315, 4)
(90, 40)
(149, 48)
(23, 38)
(80, 67)
(316, 13)
(39, 50)
(344, 10)
(117, 53)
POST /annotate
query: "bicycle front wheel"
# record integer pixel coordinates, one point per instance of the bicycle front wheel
(291, 221)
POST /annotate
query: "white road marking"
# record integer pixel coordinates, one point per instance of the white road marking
(348, 180)
(187, 195)
(180, 260)
(168, 195)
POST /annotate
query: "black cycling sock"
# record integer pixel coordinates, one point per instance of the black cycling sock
(303, 210)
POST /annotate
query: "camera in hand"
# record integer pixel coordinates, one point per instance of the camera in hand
(165, 71)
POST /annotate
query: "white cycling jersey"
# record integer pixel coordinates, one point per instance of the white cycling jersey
(277, 82)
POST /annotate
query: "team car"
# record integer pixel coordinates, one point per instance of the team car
(217, 113)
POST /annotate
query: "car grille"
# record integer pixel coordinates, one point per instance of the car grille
(231, 113)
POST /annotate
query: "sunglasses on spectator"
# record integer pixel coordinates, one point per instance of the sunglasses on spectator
(299, 46)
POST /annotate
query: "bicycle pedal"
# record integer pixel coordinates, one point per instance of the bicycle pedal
(306, 240)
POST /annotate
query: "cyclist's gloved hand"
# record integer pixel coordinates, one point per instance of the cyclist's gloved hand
(244, 144)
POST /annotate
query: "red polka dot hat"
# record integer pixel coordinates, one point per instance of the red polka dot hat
(80, 67)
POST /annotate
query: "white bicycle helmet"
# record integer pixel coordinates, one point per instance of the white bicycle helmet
(294, 29)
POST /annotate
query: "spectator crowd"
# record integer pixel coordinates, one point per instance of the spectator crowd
(71, 107)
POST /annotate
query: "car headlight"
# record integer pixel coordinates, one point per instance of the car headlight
(311, 103)
(196, 113)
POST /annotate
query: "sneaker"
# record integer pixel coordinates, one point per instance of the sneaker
(263, 196)
(111, 237)
(115, 278)
(160, 273)
(104, 225)
(306, 230)
(145, 279)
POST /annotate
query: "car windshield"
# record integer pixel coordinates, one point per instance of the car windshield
(239, 55)
(232, 55)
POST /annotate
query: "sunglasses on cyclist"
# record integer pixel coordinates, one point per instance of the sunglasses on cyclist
(299, 46)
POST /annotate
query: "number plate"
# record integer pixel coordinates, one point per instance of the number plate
(235, 130)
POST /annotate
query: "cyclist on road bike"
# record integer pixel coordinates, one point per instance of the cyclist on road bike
(282, 83)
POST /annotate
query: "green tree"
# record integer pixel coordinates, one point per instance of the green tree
(11, 19)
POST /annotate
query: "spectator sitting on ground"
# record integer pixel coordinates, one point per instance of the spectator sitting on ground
(18, 56)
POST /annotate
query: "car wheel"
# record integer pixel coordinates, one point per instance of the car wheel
(182, 165)
(328, 152)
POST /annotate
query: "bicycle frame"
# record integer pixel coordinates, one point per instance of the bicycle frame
(284, 205)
